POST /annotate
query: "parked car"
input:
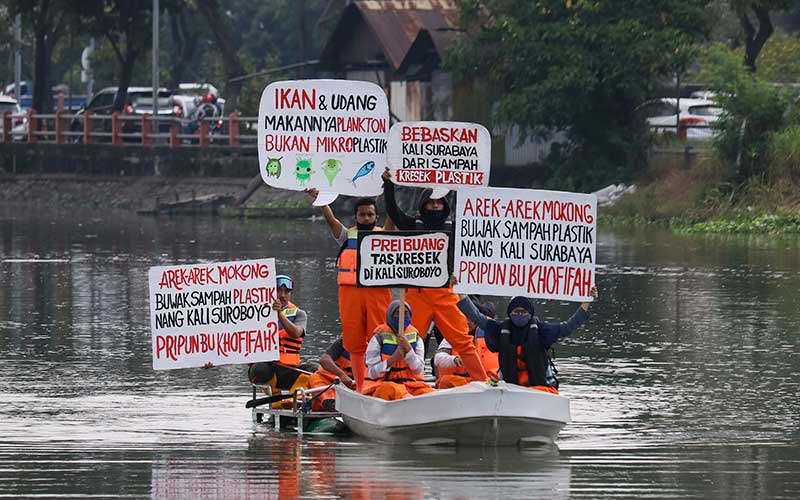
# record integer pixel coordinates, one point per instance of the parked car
(139, 100)
(696, 115)
(19, 120)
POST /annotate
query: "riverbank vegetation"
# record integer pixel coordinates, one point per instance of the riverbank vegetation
(748, 179)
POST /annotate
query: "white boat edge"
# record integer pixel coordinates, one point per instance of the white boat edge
(478, 414)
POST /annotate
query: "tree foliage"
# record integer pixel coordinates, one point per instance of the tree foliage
(581, 66)
(756, 34)
(754, 108)
(47, 20)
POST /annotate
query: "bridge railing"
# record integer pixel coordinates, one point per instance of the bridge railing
(121, 129)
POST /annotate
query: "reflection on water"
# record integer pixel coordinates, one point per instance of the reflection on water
(683, 384)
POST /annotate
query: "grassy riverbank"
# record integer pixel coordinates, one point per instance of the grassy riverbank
(699, 199)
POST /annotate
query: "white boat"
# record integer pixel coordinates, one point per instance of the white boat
(476, 414)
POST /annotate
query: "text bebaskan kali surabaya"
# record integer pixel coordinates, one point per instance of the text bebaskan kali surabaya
(429, 150)
(222, 344)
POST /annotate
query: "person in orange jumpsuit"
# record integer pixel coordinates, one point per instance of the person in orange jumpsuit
(361, 309)
(450, 370)
(435, 304)
(334, 363)
(396, 361)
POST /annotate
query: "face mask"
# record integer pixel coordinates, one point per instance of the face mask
(520, 319)
(365, 227)
(434, 220)
(394, 321)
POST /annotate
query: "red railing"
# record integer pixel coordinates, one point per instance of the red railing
(121, 129)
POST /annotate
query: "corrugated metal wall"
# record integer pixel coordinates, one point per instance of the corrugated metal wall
(530, 151)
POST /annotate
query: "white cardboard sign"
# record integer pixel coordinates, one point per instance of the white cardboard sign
(525, 242)
(217, 312)
(440, 154)
(323, 134)
(404, 259)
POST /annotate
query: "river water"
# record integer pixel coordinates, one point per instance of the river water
(684, 383)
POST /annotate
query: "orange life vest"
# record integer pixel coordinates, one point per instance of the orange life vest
(289, 346)
(348, 258)
(398, 371)
(343, 362)
(488, 359)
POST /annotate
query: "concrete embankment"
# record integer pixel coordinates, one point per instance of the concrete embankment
(130, 176)
(142, 178)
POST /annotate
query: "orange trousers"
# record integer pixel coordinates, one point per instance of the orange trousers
(439, 305)
(391, 391)
(450, 381)
(361, 310)
(321, 378)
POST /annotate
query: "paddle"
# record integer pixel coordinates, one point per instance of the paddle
(279, 397)
(294, 368)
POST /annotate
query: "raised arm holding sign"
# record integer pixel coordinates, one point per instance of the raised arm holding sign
(523, 342)
(525, 243)
(361, 310)
(437, 305)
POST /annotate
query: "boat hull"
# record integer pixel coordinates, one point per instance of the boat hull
(477, 414)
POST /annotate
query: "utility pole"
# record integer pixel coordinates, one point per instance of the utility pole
(18, 57)
(302, 33)
(155, 62)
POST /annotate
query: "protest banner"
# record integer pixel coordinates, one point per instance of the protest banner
(323, 134)
(439, 154)
(412, 259)
(217, 312)
(525, 242)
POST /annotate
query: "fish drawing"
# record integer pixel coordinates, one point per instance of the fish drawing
(364, 170)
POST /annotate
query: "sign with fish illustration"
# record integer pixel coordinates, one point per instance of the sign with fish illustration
(440, 154)
(323, 134)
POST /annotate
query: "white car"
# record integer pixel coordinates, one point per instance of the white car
(19, 120)
(696, 115)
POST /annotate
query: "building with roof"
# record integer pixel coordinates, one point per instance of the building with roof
(399, 45)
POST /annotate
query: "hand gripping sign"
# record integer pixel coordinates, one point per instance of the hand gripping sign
(219, 313)
(413, 259)
(525, 242)
(440, 155)
(323, 134)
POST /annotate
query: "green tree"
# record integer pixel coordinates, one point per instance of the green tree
(228, 45)
(126, 26)
(47, 19)
(756, 36)
(580, 66)
(778, 61)
(754, 110)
